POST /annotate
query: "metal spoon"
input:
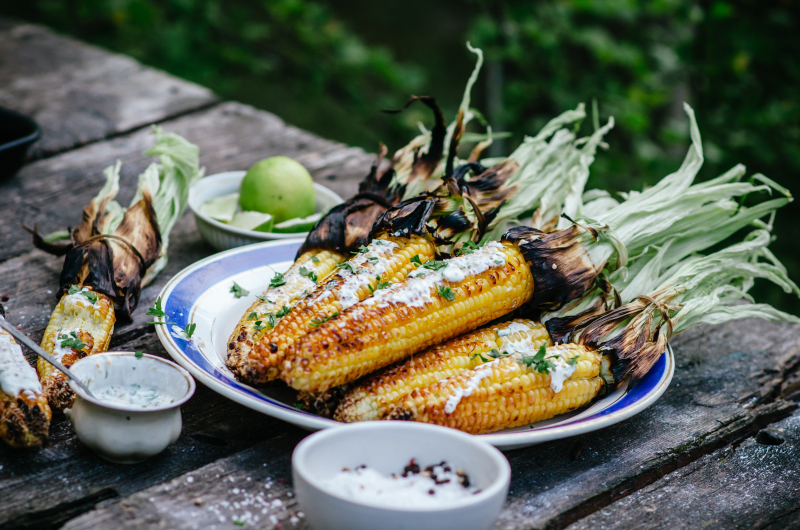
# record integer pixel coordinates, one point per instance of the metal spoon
(20, 336)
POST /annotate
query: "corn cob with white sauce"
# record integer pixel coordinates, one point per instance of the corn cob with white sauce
(24, 412)
(81, 324)
(376, 398)
(274, 304)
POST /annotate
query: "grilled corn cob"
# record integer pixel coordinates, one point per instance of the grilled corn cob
(24, 413)
(375, 398)
(383, 262)
(81, 324)
(268, 310)
(438, 301)
(510, 391)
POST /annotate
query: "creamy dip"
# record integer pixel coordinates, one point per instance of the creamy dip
(420, 285)
(133, 395)
(414, 488)
(71, 300)
(16, 375)
(60, 351)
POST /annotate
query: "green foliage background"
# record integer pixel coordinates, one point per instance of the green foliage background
(330, 66)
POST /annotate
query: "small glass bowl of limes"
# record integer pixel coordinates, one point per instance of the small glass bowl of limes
(275, 199)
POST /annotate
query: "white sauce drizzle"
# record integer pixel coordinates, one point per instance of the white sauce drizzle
(16, 375)
(558, 355)
(481, 372)
(60, 351)
(380, 251)
(71, 300)
(417, 290)
(369, 486)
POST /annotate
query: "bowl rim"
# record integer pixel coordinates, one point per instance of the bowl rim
(210, 180)
(192, 386)
(491, 453)
(29, 138)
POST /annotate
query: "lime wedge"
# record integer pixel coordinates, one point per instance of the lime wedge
(260, 222)
(298, 224)
(221, 208)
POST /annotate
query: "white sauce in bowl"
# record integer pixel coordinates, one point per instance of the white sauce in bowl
(133, 395)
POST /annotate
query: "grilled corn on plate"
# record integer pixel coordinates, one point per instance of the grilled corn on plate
(24, 412)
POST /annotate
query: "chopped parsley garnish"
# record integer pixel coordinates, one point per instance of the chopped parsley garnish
(381, 285)
(435, 265)
(484, 359)
(239, 523)
(264, 298)
(416, 261)
(574, 360)
(446, 292)
(138, 354)
(277, 280)
(238, 291)
(361, 250)
(315, 259)
(77, 289)
(157, 311)
(259, 325)
(467, 248)
(271, 319)
(348, 267)
(252, 316)
(71, 340)
(316, 323)
(493, 353)
(373, 259)
(283, 312)
(307, 272)
(189, 329)
(538, 362)
(298, 406)
(378, 242)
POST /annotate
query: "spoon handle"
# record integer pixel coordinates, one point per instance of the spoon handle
(20, 336)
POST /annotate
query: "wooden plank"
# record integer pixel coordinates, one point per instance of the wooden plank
(231, 136)
(79, 93)
(754, 485)
(556, 483)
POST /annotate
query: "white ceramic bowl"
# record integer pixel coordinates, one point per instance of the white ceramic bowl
(128, 434)
(222, 236)
(387, 446)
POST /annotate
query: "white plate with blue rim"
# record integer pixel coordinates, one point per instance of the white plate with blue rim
(201, 295)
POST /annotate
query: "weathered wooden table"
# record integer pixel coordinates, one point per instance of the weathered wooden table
(720, 449)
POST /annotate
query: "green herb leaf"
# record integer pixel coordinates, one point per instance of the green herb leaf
(447, 293)
(156, 311)
(348, 267)
(307, 272)
(497, 355)
(259, 325)
(263, 298)
(315, 259)
(416, 261)
(238, 291)
(71, 340)
(538, 362)
(297, 406)
(361, 250)
(189, 329)
(435, 265)
(484, 359)
(574, 360)
(277, 280)
(252, 316)
(316, 323)
(239, 523)
(283, 312)
(380, 284)
(373, 259)
(74, 289)
(271, 319)
(138, 354)
(77, 289)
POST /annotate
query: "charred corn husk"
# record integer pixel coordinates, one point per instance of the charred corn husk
(382, 263)
(81, 324)
(438, 301)
(24, 412)
(510, 391)
(376, 398)
(271, 307)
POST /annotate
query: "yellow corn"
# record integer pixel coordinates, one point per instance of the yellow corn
(25, 416)
(505, 393)
(91, 322)
(387, 259)
(270, 307)
(375, 398)
(406, 318)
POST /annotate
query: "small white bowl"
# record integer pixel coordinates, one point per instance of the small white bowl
(388, 446)
(127, 434)
(222, 236)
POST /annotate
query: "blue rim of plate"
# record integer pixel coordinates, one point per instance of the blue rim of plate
(182, 294)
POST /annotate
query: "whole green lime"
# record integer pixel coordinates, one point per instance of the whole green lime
(279, 186)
